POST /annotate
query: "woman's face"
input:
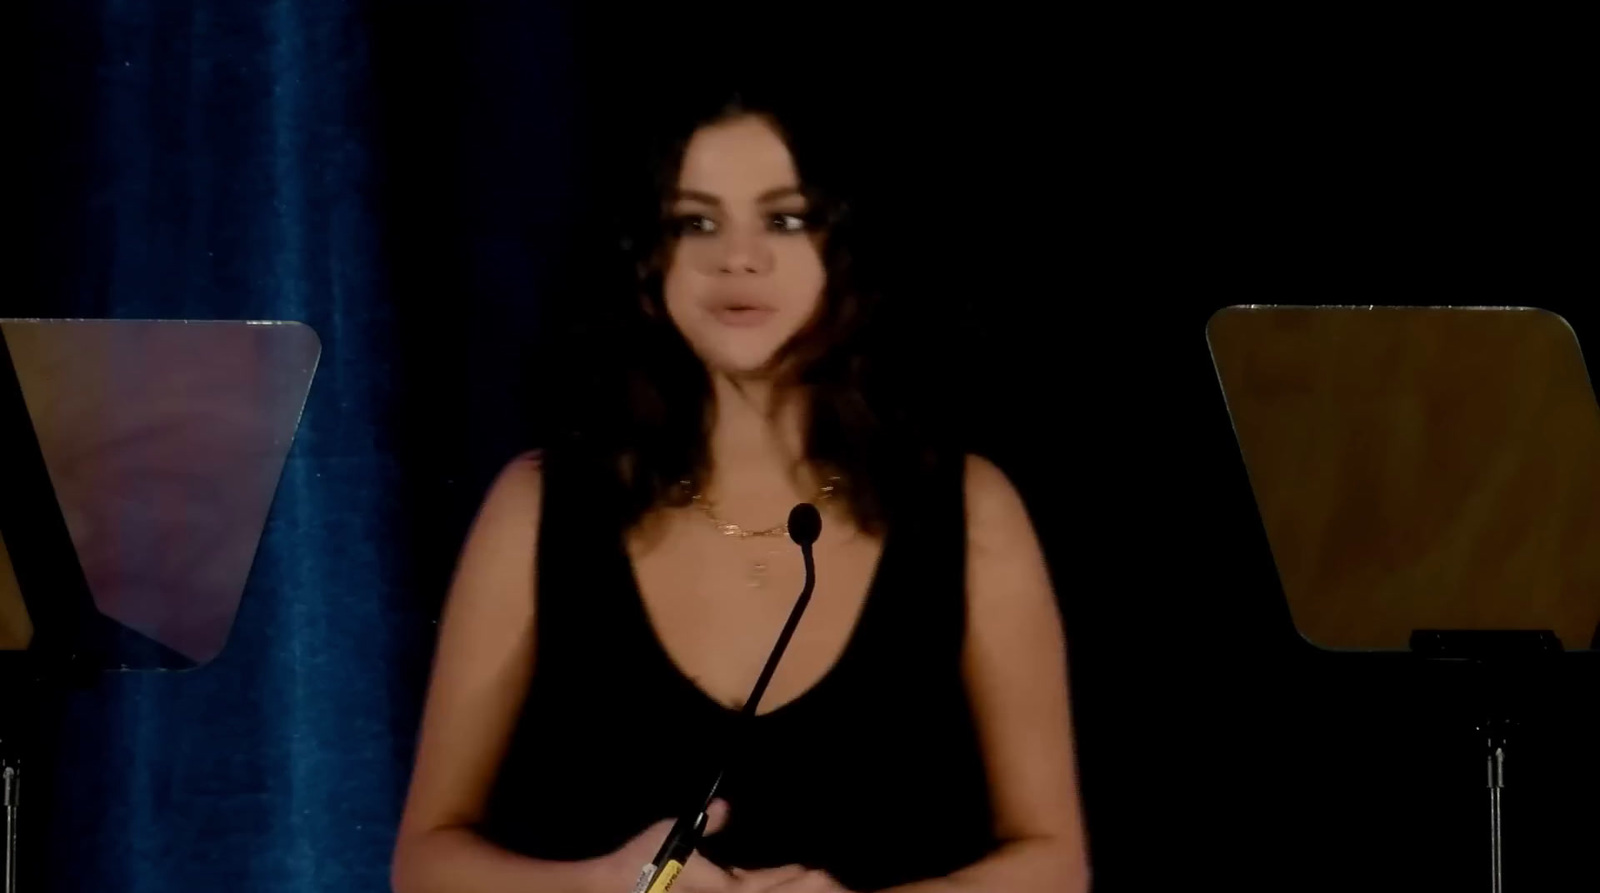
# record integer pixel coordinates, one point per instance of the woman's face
(745, 274)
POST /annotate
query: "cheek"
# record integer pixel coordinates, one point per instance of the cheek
(680, 288)
(802, 277)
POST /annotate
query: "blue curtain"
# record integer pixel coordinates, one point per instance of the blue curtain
(398, 175)
(267, 160)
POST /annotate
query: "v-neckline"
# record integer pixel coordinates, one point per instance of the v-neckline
(851, 643)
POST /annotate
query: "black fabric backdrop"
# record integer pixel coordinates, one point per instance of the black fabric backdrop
(1070, 202)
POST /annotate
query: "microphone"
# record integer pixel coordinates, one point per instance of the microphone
(805, 525)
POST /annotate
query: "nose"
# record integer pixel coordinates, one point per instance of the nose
(745, 253)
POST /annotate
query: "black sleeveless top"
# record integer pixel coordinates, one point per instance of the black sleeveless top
(873, 775)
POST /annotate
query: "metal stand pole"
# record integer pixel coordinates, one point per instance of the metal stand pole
(1497, 783)
(11, 775)
(1510, 668)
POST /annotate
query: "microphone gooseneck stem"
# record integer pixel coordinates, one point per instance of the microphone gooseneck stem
(748, 712)
(783, 637)
(685, 835)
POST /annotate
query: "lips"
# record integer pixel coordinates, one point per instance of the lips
(741, 312)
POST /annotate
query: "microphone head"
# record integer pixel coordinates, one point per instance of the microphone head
(805, 524)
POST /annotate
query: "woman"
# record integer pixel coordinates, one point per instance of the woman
(619, 593)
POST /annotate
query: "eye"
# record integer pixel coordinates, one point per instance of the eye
(788, 223)
(694, 225)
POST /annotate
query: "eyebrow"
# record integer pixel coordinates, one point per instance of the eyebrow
(770, 195)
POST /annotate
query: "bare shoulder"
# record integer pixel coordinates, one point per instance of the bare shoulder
(983, 477)
(513, 499)
(1005, 563)
(523, 475)
(494, 566)
(993, 503)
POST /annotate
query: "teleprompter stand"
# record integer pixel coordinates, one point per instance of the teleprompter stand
(1426, 478)
(138, 463)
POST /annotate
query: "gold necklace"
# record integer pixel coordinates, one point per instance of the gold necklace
(758, 570)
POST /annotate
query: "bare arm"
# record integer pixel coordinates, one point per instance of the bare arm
(480, 677)
(1016, 670)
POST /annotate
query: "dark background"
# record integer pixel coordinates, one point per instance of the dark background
(1073, 199)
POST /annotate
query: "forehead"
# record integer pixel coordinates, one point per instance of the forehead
(737, 159)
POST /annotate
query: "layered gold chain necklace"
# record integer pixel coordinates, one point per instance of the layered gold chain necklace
(758, 571)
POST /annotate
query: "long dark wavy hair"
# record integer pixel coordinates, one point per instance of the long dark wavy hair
(631, 395)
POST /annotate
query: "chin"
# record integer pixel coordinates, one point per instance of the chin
(741, 367)
(741, 357)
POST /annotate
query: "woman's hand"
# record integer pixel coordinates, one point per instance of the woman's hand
(788, 879)
(620, 870)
